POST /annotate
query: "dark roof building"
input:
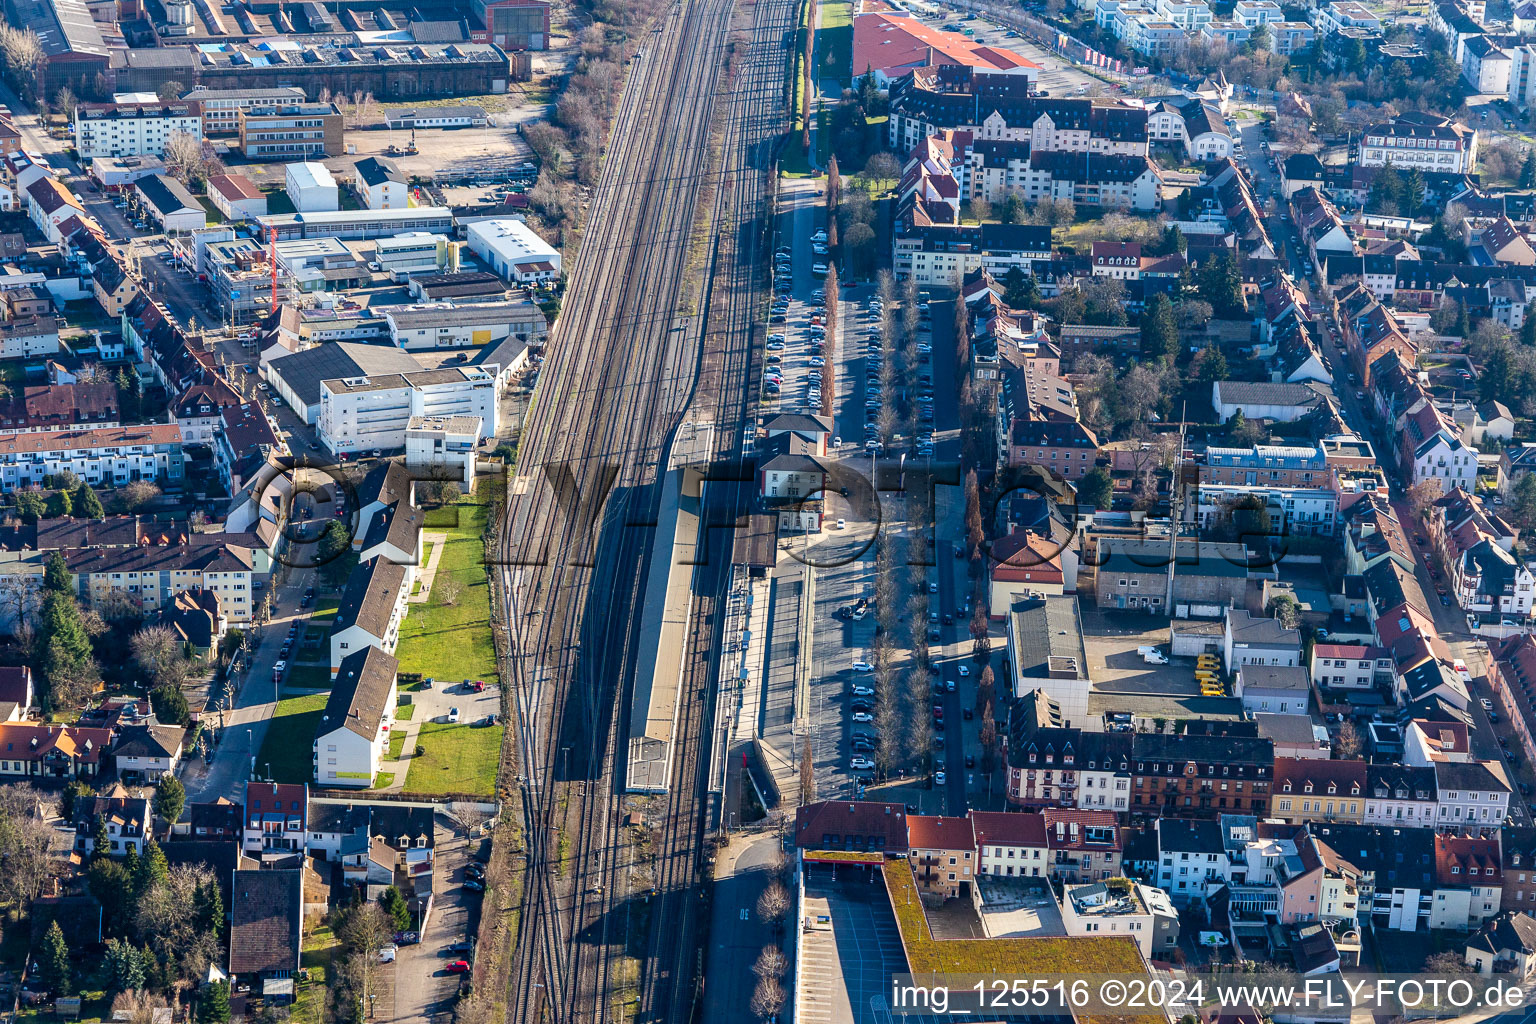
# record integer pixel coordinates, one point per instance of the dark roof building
(266, 929)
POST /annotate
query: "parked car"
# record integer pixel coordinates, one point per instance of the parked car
(474, 884)
(863, 666)
(453, 714)
(387, 955)
(458, 967)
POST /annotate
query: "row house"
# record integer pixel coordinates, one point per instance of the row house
(1512, 678)
(1011, 845)
(1311, 789)
(1400, 796)
(942, 851)
(1413, 878)
(1082, 846)
(1200, 774)
(992, 106)
(1471, 793)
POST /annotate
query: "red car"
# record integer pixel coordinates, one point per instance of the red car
(478, 686)
(458, 967)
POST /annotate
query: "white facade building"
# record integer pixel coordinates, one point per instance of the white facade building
(446, 445)
(512, 250)
(107, 457)
(360, 413)
(353, 733)
(412, 252)
(133, 129)
(311, 188)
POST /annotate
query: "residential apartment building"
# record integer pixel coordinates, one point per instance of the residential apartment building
(1082, 846)
(1065, 447)
(290, 131)
(275, 818)
(353, 734)
(1198, 775)
(1308, 789)
(942, 852)
(1122, 909)
(133, 129)
(1471, 792)
(1331, 17)
(1430, 142)
(943, 254)
(1400, 795)
(109, 457)
(1293, 511)
(371, 610)
(1010, 845)
(1351, 666)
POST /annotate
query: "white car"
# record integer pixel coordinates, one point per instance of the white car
(1487, 704)
(863, 691)
(863, 716)
(387, 955)
(775, 346)
(939, 778)
(861, 762)
(818, 361)
(453, 714)
(863, 666)
(933, 588)
(965, 670)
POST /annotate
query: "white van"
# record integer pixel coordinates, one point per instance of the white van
(1152, 656)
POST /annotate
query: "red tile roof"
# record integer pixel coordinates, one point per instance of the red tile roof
(1457, 856)
(852, 824)
(889, 42)
(936, 832)
(996, 828)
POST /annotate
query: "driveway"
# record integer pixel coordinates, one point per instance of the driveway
(434, 705)
(423, 991)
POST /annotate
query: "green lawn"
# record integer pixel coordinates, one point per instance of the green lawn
(458, 759)
(325, 610)
(289, 744)
(453, 642)
(383, 780)
(396, 744)
(405, 712)
(308, 677)
(315, 956)
(834, 42)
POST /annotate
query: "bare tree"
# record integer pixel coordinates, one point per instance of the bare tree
(184, 156)
(22, 51)
(155, 649)
(771, 963)
(1347, 745)
(773, 903)
(449, 588)
(767, 998)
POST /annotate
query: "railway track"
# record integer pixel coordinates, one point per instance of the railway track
(618, 377)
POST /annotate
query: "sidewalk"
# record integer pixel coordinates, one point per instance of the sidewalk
(423, 587)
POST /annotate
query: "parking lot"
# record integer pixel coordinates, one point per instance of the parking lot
(850, 954)
(795, 368)
(1116, 667)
